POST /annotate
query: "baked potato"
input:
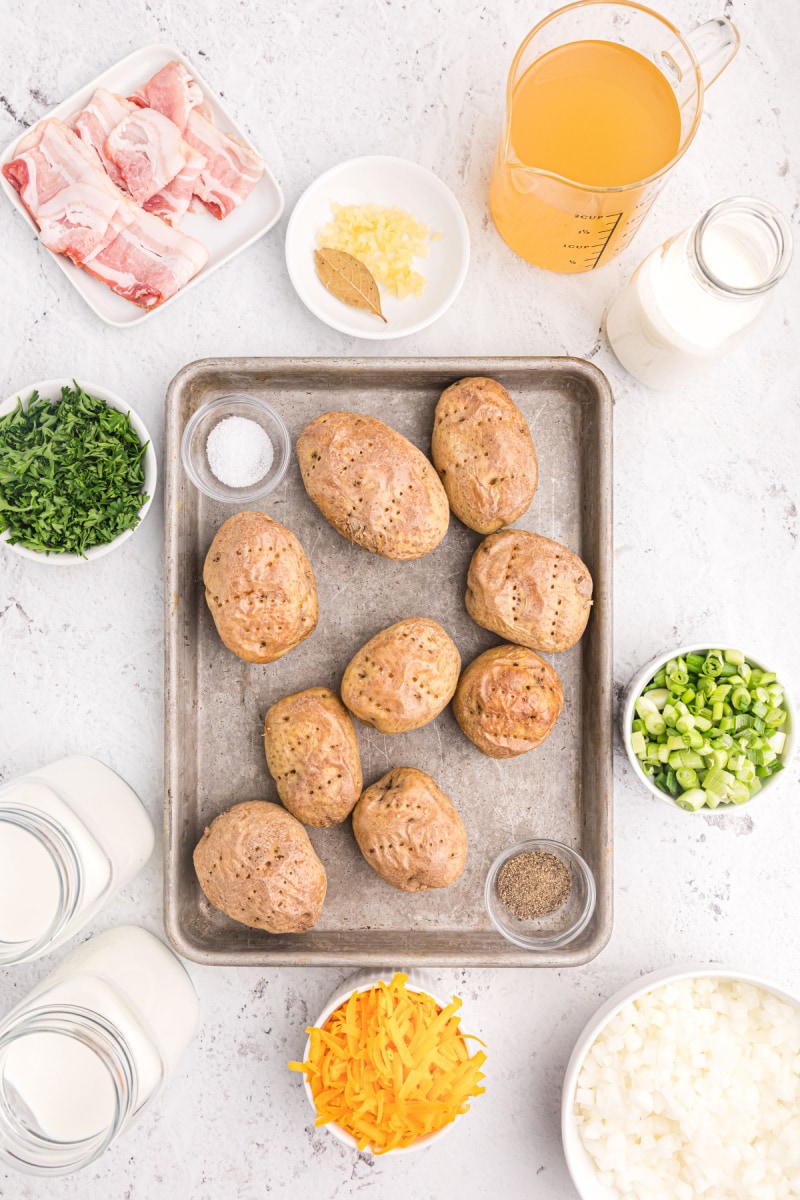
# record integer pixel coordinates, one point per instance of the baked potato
(530, 590)
(507, 701)
(256, 864)
(260, 588)
(484, 453)
(403, 677)
(372, 485)
(312, 754)
(409, 831)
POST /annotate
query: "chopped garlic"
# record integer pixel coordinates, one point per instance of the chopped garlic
(386, 240)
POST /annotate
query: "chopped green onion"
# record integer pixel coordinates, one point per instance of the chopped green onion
(654, 723)
(693, 799)
(638, 744)
(778, 741)
(712, 664)
(707, 727)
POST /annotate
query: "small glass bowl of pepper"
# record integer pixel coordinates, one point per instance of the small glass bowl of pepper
(540, 894)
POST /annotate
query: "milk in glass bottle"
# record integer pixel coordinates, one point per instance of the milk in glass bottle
(693, 299)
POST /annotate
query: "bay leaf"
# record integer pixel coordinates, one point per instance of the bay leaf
(346, 278)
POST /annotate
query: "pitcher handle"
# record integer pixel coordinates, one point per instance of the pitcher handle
(714, 43)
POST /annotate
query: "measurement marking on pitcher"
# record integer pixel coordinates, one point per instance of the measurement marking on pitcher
(607, 235)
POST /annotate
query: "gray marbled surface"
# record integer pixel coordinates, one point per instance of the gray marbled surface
(706, 549)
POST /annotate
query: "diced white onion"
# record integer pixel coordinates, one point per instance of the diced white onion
(694, 1091)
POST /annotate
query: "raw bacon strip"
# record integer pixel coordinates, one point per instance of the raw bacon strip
(71, 199)
(83, 215)
(94, 123)
(173, 92)
(148, 262)
(48, 159)
(81, 220)
(233, 169)
(172, 202)
(148, 151)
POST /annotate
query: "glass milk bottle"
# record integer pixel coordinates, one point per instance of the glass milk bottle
(90, 1048)
(71, 835)
(694, 298)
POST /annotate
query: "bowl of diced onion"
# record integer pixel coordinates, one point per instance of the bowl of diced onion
(708, 729)
(411, 1074)
(686, 1084)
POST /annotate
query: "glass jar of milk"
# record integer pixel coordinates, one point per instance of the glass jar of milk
(691, 300)
(71, 835)
(90, 1048)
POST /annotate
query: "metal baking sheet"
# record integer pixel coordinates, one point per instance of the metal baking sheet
(215, 704)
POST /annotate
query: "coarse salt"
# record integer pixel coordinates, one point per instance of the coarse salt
(239, 452)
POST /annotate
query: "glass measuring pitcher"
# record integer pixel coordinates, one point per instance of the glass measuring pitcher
(600, 166)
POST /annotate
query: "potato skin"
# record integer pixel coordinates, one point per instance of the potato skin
(507, 701)
(403, 677)
(373, 486)
(530, 590)
(484, 453)
(409, 831)
(260, 588)
(312, 754)
(256, 864)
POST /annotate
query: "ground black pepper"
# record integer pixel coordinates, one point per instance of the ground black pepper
(534, 884)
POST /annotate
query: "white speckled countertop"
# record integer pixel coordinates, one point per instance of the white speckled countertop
(706, 496)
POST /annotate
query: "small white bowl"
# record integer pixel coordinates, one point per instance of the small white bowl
(362, 981)
(580, 1164)
(392, 183)
(50, 389)
(640, 681)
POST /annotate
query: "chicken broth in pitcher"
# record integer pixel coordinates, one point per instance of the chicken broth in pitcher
(599, 115)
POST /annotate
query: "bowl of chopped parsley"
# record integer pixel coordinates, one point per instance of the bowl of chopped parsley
(77, 472)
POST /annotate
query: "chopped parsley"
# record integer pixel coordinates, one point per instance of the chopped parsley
(71, 473)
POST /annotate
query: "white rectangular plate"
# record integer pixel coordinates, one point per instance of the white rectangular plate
(223, 239)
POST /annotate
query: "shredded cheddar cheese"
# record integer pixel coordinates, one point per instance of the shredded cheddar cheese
(390, 1066)
(385, 240)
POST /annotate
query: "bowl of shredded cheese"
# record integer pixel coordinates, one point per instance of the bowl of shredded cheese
(386, 1067)
(400, 222)
(685, 1084)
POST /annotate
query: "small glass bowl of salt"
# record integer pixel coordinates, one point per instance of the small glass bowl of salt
(235, 448)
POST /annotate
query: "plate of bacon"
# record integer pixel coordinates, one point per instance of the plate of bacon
(141, 185)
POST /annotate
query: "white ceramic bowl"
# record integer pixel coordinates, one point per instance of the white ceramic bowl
(581, 1166)
(392, 183)
(362, 981)
(640, 681)
(50, 389)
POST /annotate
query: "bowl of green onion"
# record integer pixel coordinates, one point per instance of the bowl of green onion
(77, 472)
(707, 729)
